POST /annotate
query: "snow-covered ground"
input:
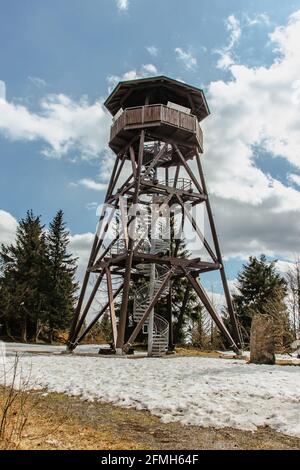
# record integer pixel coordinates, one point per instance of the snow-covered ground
(193, 390)
(292, 358)
(25, 348)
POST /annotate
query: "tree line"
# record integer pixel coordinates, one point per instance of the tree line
(37, 280)
(38, 292)
(260, 290)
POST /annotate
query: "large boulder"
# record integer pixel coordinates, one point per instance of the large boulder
(262, 340)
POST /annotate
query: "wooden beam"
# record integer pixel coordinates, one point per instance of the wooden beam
(209, 307)
(115, 179)
(127, 275)
(97, 317)
(198, 231)
(231, 312)
(188, 170)
(176, 176)
(111, 306)
(112, 179)
(133, 162)
(77, 311)
(88, 304)
(124, 220)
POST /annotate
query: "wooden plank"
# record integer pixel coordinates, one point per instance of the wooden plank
(134, 115)
(133, 162)
(170, 116)
(111, 306)
(152, 113)
(187, 122)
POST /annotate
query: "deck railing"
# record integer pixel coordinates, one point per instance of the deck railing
(143, 115)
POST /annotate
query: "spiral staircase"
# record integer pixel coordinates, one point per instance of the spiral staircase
(142, 299)
(154, 274)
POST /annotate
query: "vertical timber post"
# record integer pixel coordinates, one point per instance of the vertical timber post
(127, 276)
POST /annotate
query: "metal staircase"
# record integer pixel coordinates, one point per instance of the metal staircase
(142, 299)
(160, 336)
(158, 245)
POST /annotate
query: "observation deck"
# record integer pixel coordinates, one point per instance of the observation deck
(161, 122)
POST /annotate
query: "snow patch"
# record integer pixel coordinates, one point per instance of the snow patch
(192, 390)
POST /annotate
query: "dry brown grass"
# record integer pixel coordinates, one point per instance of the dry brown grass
(191, 351)
(56, 422)
(13, 406)
(33, 422)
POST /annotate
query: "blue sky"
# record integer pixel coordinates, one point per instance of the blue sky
(58, 60)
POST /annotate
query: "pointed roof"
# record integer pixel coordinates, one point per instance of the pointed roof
(160, 89)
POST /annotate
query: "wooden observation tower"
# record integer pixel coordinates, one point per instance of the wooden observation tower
(156, 185)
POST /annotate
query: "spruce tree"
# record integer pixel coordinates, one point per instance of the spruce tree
(61, 276)
(23, 267)
(262, 290)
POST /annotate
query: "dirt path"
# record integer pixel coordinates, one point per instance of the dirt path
(56, 421)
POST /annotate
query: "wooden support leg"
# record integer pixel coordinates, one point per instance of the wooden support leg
(209, 307)
(231, 312)
(127, 276)
(97, 317)
(111, 306)
(88, 304)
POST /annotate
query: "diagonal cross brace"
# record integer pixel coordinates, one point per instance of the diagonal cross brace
(210, 308)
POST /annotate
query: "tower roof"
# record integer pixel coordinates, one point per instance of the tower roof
(158, 90)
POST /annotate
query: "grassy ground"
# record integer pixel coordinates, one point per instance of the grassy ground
(56, 421)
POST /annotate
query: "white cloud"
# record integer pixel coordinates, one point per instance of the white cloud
(189, 61)
(8, 226)
(92, 206)
(80, 247)
(91, 184)
(245, 229)
(257, 19)
(294, 179)
(152, 50)
(37, 81)
(232, 284)
(149, 69)
(145, 70)
(284, 266)
(122, 4)
(2, 90)
(255, 109)
(234, 28)
(62, 124)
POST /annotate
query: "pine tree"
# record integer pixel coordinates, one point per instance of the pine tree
(262, 290)
(23, 266)
(61, 276)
